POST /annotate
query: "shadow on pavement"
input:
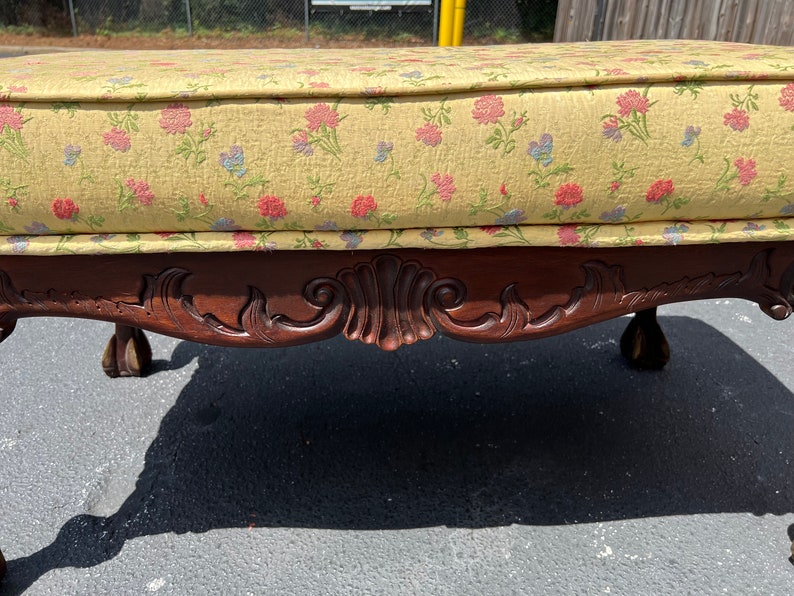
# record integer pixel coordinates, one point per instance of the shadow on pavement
(343, 436)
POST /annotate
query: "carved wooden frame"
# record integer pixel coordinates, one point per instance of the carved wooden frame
(388, 298)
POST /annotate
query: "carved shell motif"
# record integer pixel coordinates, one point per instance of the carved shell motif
(380, 302)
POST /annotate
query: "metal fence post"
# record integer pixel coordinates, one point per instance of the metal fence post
(189, 19)
(74, 21)
(306, 18)
(435, 22)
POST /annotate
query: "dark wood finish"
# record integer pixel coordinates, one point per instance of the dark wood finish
(2, 565)
(384, 298)
(6, 327)
(127, 353)
(643, 342)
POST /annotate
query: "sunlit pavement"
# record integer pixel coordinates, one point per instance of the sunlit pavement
(443, 468)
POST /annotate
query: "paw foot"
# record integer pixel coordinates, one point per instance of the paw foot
(643, 342)
(127, 354)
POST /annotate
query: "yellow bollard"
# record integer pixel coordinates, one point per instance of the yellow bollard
(457, 28)
(446, 22)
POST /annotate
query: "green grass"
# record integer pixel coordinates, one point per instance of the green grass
(23, 30)
(498, 34)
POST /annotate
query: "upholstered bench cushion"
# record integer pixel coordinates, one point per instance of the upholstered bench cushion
(603, 144)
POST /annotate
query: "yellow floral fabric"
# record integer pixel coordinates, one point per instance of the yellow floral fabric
(599, 144)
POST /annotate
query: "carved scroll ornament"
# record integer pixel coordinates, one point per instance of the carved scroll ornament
(389, 301)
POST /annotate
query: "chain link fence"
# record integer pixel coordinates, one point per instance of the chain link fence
(406, 22)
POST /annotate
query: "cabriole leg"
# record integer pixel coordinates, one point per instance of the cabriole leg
(643, 342)
(127, 354)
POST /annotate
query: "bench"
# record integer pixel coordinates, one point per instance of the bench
(279, 197)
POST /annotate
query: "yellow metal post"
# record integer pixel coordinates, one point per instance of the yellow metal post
(457, 27)
(446, 21)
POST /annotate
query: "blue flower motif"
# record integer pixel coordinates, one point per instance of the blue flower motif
(690, 134)
(233, 160)
(352, 239)
(674, 234)
(71, 153)
(120, 80)
(696, 63)
(752, 227)
(541, 150)
(224, 225)
(327, 226)
(613, 216)
(414, 74)
(38, 229)
(18, 243)
(787, 209)
(102, 238)
(383, 150)
(301, 144)
(431, 233)
(611, 129)
(511, 218)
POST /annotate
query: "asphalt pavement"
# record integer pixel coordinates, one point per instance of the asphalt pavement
(546, 467)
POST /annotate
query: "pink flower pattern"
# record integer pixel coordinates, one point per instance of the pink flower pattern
(746, 169)
(632, 116)
(10, 117)
(175, 119)
(567, 235)
(786, 99)
(141, 191)
(658, 190)
(488, 109)
(320, 115)
(244, 240)
(445, 185)
(362, 206)
(322, 121)
(737, 119)
(632, 101)
(568, 195)
(429, 134)
(117, 139)
(272, 207)
(64, 209)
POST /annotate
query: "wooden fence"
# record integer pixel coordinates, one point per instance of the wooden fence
(750, 21)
